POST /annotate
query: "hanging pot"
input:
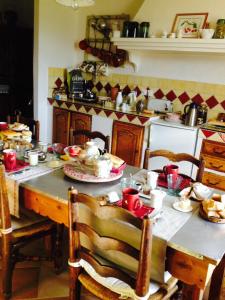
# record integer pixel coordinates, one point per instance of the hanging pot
(83, 45)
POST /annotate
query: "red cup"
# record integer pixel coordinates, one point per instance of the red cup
(3, 126)
(131, 199)
(171, 169)
(9, 159)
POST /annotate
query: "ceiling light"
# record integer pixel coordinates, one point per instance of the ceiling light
(75, 4)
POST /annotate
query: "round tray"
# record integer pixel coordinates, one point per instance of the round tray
(71, 171)
(210, 219)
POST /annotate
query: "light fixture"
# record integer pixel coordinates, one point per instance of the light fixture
(75, 4)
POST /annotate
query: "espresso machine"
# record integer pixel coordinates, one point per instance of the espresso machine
(79, 89)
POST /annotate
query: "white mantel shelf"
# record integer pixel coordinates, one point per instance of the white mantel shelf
(169, 44)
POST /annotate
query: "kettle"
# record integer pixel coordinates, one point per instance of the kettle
(191, 114)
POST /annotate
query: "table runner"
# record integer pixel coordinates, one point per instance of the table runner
(14, 179)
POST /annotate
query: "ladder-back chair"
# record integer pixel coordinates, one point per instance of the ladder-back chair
(89, 135)
(175, 157)
(91, 242)
(16, 233)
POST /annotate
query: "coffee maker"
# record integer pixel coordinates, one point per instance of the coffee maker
(78, 88)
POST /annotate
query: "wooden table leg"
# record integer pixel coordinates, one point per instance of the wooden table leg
(217, 286)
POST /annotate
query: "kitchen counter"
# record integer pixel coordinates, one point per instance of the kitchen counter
(104, 111)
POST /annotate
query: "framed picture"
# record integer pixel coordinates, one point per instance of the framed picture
(187, 25)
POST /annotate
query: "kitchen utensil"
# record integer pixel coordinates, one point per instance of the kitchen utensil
(191, 114)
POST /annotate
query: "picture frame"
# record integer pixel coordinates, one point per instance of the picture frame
(187, 25)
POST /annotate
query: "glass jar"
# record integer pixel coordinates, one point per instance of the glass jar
(220, 29)
(144, 29)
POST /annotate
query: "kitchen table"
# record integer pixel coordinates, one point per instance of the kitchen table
(192, 255)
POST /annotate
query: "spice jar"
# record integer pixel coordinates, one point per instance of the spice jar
(220, 29)
(144, 29)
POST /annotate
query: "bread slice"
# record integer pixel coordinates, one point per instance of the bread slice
(213, 214)
(222, 214)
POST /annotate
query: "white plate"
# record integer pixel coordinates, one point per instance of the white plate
(71, 171)
(176, 205)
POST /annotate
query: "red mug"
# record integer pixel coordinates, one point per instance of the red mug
(171, 169)
(3, 126)
(9, 159)
(131, 199)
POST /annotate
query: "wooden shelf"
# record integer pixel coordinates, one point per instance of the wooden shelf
(169, 44)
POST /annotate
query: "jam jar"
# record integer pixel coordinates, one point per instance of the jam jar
(220, 29)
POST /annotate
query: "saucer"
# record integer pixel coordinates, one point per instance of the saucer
(176, 205)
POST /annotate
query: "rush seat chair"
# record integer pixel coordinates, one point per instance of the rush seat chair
(92, 238)
(16, 233)
(89, 135)
(175, 157)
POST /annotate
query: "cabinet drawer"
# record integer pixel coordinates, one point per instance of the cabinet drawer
(214, 163)
(213, 148)
(214, 180)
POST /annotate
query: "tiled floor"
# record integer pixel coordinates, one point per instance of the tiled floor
(37, 280)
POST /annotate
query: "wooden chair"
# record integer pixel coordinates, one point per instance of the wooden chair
(90, 135)
(16, 233)
(34, 125)
(88, 264)
(176, 157)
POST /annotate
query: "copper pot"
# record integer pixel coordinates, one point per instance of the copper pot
(83, 45)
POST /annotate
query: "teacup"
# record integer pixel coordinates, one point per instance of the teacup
(131, 199)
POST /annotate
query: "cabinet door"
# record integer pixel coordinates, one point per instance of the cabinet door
(60, 126)
(127, 141)
(80, 121)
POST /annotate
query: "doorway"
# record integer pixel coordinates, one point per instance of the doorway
(16, 57)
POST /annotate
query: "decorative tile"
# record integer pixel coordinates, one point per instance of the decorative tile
(159, 94)
(78, 106)
(171, 95)
(197, 99)
(137, 90)
(97, 110)
(207, 133)
(87, 108)
(108, 87)
(51, 101)
(131, 117)
(143, 119)
(126, 90)
(99, 86)
(68, 104)
(211, 102)
(108, 112)
(119, 115)
(58, 82)
(223, 104)
(184, 98)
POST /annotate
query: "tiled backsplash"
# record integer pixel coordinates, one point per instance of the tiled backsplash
(179, 91)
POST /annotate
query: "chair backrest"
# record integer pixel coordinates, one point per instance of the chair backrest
(176, 157)
(105, 241)
(5, 222)
(34, 125)
(89, 135)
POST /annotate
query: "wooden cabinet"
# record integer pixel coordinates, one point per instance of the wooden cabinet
(80, 121)
(214, 156)
(127, 141)
(63, 120)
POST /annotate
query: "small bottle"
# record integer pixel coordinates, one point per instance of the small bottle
(144, 29)
(119, 100)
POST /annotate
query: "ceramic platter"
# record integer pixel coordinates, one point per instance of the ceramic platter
(210, 219)
(75, 173)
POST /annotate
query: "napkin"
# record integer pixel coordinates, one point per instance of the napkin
(198, 191)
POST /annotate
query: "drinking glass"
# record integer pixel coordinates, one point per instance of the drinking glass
(173, 182)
